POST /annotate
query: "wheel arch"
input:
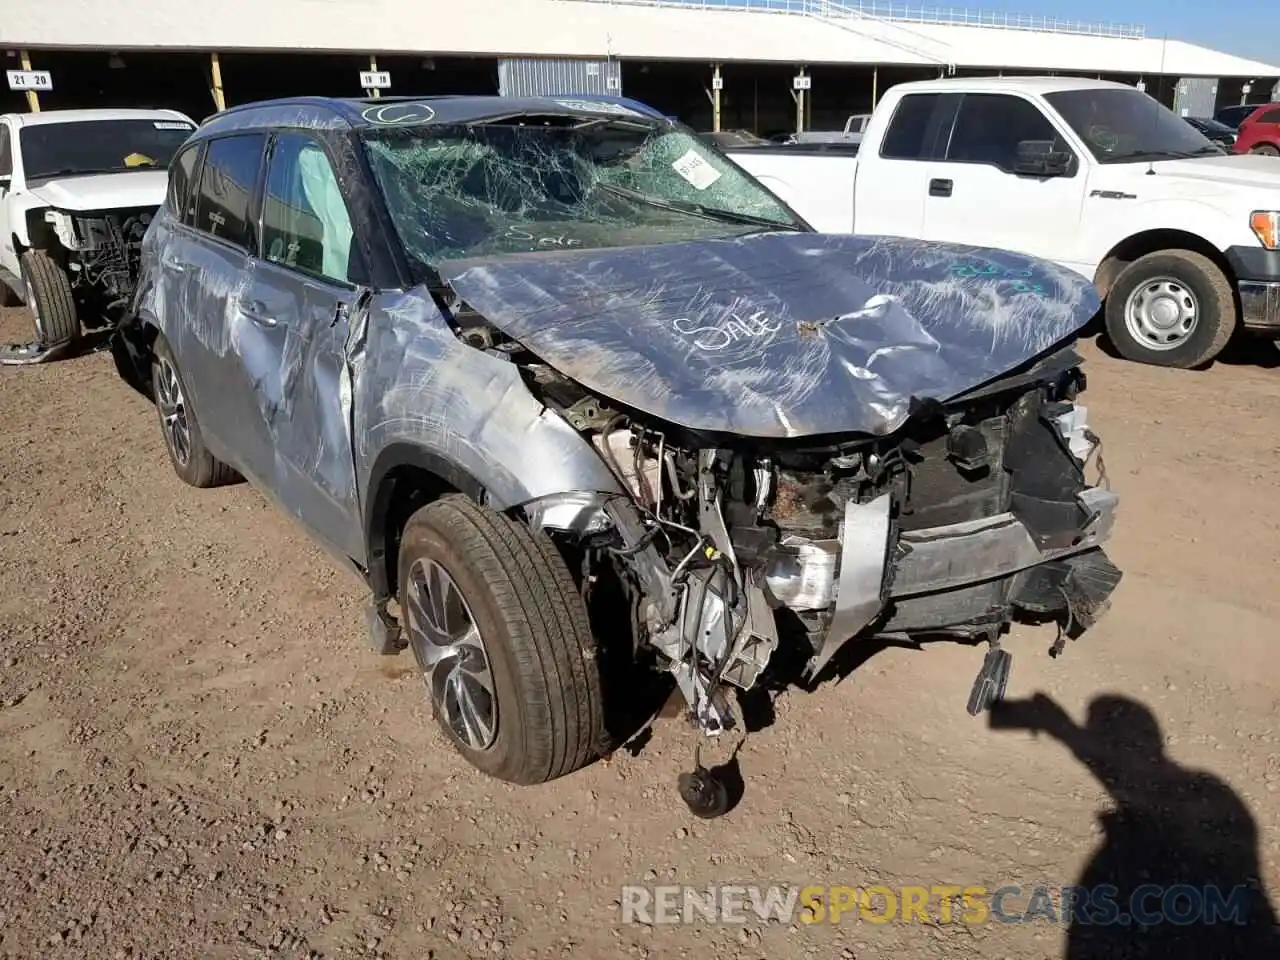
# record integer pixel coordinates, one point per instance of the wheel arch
(132, 345)
(37, 232)
(26, 219)
(1140, 244)
(403, 478)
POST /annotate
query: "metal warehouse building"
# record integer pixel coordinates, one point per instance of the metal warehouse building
(765, 65)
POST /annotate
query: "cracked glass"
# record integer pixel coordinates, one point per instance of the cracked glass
(540, 183)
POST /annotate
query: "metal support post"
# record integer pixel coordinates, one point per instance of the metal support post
(33, 98)
(215, 73)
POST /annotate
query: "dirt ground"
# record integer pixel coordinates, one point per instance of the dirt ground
(201, 757)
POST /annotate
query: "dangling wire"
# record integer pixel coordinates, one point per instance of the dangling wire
(1096, 454)
(1064, 629)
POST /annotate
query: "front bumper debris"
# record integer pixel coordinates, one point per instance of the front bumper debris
(944, 558)
(941, 577)
(27, 354)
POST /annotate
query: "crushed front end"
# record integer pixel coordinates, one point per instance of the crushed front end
(821, 440)
(977, 513)
(102, 251)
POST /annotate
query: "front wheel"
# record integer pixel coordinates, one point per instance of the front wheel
(49, 298)
(501, 634)
(1171, 308)
(1266, 150)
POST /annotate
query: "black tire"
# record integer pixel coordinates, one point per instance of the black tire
(1266, 150)
(198, 467)
(534, 630)
(53, 308)
(1216, 316)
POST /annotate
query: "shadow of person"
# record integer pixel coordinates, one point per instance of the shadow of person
(1177, 875)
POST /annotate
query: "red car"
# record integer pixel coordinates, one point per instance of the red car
(1260, 131)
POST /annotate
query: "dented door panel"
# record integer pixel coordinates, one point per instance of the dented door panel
(415, 383)
(205, 333)
(290, 344)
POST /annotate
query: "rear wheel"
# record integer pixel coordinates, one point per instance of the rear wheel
(191, 459)
(501, 634)
(1172, 308)
(1266, 149)
(49, 298)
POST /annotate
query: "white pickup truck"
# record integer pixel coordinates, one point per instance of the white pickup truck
(77, 190)
(1182, 240)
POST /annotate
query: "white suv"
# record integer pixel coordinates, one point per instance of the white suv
(77, 190)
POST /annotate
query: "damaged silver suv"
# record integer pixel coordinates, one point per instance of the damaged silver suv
(576, 395)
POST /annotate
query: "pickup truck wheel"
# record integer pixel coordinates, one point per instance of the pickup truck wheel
(49, 299)
(1171, 308)
(1266, 149)
(500, 632)
(191, 459)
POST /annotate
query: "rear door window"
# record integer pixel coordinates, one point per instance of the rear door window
(919, 126)
(180, 201)
(228, 188)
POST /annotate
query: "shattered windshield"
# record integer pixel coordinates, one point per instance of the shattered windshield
(526, 184)
(100, 146)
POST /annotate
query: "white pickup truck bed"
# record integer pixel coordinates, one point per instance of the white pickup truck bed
(820, 189)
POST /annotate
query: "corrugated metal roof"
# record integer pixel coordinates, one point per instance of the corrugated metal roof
(553, 76)
(599, 29)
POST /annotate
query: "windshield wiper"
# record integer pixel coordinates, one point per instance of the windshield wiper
(1139, 155)
(86, 171)
(697, 209)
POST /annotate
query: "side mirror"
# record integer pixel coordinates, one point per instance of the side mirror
(1038, 158)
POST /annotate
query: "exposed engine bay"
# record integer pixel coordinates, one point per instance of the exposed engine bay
(102, 252)
(975, 513)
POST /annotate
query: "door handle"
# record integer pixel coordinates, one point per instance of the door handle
(940, 188)
(257, 311)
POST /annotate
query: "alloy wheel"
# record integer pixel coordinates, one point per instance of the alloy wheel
(451, 653)
(173, 411)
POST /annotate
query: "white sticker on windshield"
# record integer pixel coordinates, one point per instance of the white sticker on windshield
(696, 170)
(171, 125)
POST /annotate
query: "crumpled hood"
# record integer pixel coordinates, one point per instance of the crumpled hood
(779, 334)
(105, 191)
